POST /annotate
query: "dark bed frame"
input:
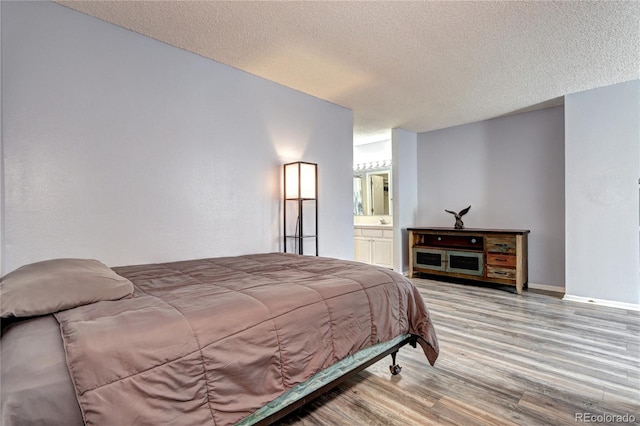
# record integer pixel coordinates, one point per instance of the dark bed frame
(394, 369)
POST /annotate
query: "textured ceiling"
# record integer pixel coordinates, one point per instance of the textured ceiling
(420, 65)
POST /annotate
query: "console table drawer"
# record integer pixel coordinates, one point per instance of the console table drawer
(507, 260)
(500, 272)
(501, 245)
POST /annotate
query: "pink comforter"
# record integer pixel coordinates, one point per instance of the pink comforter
(210, 341)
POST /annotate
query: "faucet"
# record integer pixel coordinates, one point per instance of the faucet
(383, 221)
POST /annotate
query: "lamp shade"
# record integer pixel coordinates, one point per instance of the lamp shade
(300, 180)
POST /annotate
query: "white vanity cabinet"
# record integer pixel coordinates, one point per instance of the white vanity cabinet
(374, 245)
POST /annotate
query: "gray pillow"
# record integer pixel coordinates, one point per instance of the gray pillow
(54, 285)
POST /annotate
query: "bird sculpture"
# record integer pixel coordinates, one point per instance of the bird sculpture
(459, 223)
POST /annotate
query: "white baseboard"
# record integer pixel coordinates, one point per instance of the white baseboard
(601, 302)
(546, 287)
(570, 298)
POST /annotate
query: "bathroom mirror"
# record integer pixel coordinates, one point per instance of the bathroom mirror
(372, 192)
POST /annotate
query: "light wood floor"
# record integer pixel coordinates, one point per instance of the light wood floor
(504, 359)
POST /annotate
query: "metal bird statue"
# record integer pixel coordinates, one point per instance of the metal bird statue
(459, 223)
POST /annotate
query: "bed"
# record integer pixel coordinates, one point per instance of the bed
(232, 340)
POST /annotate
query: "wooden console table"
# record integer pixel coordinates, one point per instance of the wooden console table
(484, 255)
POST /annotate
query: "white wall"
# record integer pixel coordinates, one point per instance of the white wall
(123, 148)
(602, 171)
(372, 152)
(405, 190)
(1, 164)
(511, 171)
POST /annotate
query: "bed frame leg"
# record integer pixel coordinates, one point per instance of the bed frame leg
(394, 368)
(413, 341)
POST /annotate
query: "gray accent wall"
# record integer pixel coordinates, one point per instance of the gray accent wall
(511, 171)
(128, 150)
(602, 172)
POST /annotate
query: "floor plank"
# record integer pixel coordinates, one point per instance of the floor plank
(505, 359)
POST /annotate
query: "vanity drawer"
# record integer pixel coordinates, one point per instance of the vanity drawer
(500, 272)
(501, 245)
(375, 233)
(507, 260)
